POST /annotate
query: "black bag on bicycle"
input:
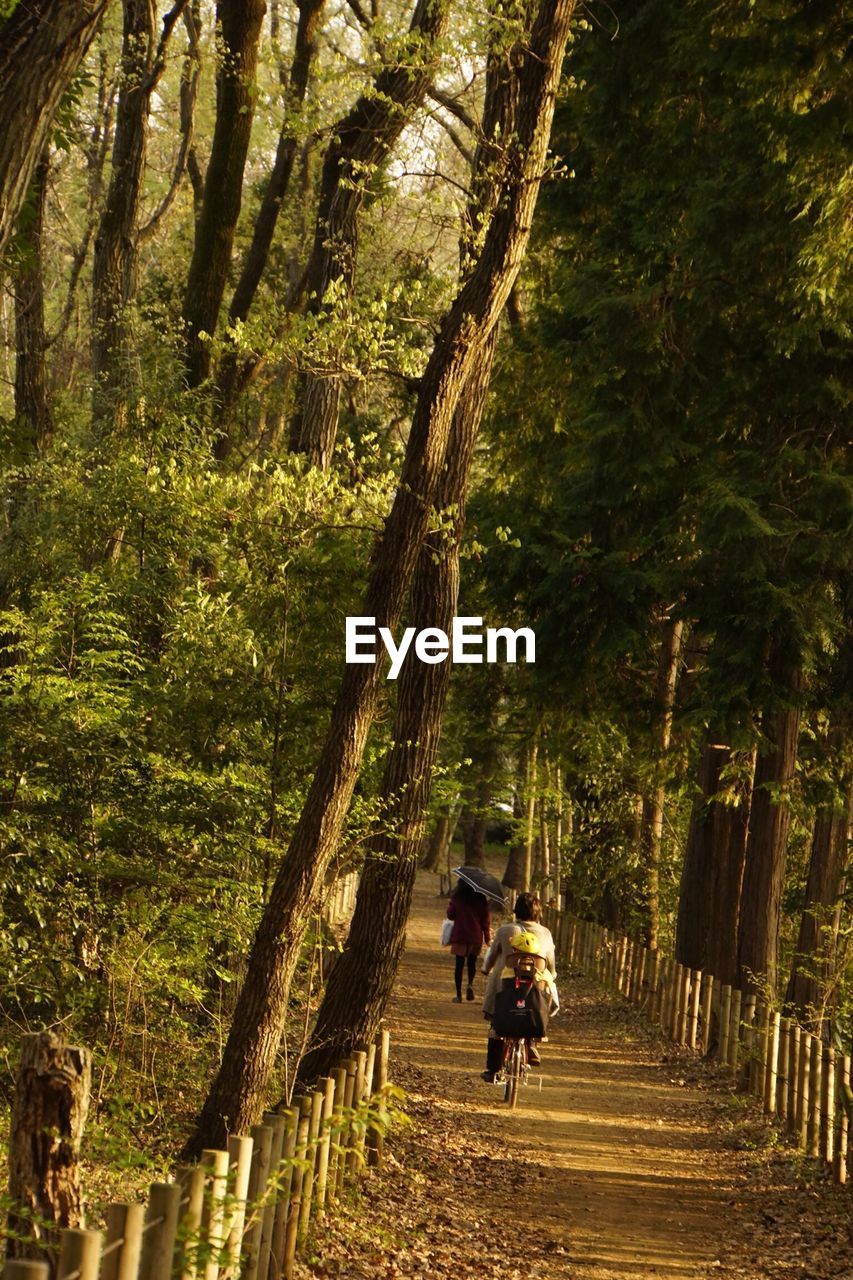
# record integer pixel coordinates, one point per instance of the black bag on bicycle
(521, 1010)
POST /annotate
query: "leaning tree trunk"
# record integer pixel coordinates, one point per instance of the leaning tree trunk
(238, 23)
(767, 843)
(114, 264)
(41, 46)
(362, 980)
(360, 144)
(257, 255)
(813, 972)
(651, 828)
(237, 1094)
(32, 409)
(48, 1114)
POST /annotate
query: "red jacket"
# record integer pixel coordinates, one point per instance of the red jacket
(471, 926)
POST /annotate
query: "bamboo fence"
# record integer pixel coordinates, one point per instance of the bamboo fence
(246, 1212)
(802, 1083)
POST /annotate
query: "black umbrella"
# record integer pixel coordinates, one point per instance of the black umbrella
(482, 881)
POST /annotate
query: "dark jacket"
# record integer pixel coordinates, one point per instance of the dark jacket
(470, 922)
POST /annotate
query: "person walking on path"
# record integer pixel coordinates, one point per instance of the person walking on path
(469, 912)
(528, 909)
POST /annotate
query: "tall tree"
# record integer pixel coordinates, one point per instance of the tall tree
(238, 26)
(275, 193)
(42, 45)
(651, 828)
(32, 408)
(237, 1094)
(114, 264)
(767, 843)
(360, 143)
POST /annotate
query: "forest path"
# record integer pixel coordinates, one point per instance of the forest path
(629, 1160)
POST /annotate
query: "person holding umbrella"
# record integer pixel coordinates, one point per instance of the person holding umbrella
(469, 910)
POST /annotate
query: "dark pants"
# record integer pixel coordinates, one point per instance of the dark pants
(460, 968)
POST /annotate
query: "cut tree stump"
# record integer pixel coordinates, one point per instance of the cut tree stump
(48, 1115)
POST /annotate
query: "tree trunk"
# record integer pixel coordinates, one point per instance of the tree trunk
(813, 974)
(362, 980)
(257, 255)
(239, 26)
(41, 46)
(709, 897)
(31, 404)
(766, 846)
(48, 1114)
(237, 1095)
(361, 142)
(530, 787)
(653, 803)
(114, 265)
(438, 842)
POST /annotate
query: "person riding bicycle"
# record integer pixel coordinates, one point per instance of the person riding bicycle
(526, 967)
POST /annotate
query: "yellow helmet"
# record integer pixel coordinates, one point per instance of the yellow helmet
(526, 943)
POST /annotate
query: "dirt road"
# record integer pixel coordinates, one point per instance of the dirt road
(633, 1187)
(634, 1160)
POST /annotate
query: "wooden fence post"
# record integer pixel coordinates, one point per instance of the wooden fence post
(748, 1039)
(325, 1143)
(79, 1254)
(708, 992)
(841, 1147)
(276, 1123)
(815, 1073)
(828, 1104)
(794, 1054)
(123, 1243)
(314, 1121)
(734, 1030)
(771, 1074)
(346, 1134)
(803, 1080)
(725, 1021)
(652, 984)
(376, 1138)
(25, 1269)
(191, 1182)
(783, 1068)
(340, 1077)
(279, 1233)
(683, 1004)
(160, 1231)
(215, 1165)
(262, 1137)
(240, 1169)
(295, 1206)
(693, 1016)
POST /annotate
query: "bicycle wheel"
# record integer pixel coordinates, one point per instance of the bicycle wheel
(515, 1069)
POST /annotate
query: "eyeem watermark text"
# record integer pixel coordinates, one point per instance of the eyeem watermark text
(465, 643)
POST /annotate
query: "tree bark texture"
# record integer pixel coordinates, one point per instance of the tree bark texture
(31, 403)
(651, 829)
(709, 896)
(360, 143)
(239, 27)
(767, 843)
(237, 1095)
(48, 1114)
(257, 255)
(362, 980)
(811, 982)
(41, 46)
(114, 264)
